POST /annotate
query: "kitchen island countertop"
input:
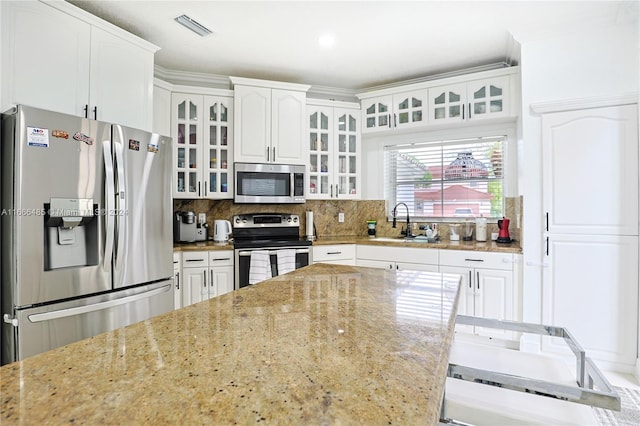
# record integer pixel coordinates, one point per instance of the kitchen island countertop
(325, 344)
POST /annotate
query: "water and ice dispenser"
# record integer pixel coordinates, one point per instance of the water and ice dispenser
(71, 233)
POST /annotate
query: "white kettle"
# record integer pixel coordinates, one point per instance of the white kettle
(221, 231)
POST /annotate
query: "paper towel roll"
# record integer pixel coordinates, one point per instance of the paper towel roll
(310, 233)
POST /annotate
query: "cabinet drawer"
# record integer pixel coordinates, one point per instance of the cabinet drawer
(477, 259)
(334, 252)
(192, 259)
(399, 254)
(221, 258)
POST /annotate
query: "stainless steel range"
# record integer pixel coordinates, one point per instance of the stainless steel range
(271, 233)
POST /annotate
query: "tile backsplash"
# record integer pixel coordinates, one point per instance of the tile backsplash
(325, 213)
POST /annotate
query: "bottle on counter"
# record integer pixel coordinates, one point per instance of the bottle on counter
(481, 229)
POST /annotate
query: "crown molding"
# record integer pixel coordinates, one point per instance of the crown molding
(184, 78)
(216, 81)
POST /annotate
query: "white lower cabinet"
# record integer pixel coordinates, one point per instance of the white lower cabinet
(177, 290)
(206, 274)
(337, 254)
(487, 290)
(395, 258)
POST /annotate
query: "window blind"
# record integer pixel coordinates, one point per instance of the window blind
(447, 179)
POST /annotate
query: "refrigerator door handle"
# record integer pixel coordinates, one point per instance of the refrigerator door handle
(69, 312)
(109, 206)
(121, 208)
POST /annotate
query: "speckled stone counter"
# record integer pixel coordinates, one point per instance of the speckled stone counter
(325, 344)
(202, 246)
(491, 246)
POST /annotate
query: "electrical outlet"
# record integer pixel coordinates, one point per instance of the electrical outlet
(340, 217)
(202, 217)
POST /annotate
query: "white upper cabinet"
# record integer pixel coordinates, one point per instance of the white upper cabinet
(451, 100)
(410, 109)
(402, 110)
(58, 57)
(121, 81)
(376, 114)
(269, 122)
(288, 126)
(475, 100)
(202, 129)
(590, 171)
(334, 153)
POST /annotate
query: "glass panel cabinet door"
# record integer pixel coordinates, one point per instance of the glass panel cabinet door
(488, 98)
(347, 184)
(376, 114)
(410, 109)
(187, 128)
(218, 154)
(320, 152)
(447, 103)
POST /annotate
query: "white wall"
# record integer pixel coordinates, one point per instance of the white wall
(595, 62)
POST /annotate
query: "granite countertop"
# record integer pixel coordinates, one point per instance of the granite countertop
(202, 246)
(325, 344)
(490, 246)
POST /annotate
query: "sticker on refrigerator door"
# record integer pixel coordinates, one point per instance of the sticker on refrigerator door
(37, 136)
(134, 145)
(60, 134)
(83, 138)
(151, 147)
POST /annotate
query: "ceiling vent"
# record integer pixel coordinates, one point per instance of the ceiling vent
(193, 25)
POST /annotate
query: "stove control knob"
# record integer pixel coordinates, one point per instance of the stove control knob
(295, 218)
(289, 219)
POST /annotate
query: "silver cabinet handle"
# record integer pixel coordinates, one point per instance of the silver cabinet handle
(474, 260)
(267, 154)
(334, 252)
(273, 157)
(211, 282)
(478, 280)
(177, 280)
(205, 279)
(220, 259)
(470, 282)
(194, 260)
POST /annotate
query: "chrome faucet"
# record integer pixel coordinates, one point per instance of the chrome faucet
(408, 232)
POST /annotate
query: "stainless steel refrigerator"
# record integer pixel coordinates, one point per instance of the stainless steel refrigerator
(86, 229)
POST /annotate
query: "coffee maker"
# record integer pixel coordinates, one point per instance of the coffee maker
(503, 233)
(184, 227)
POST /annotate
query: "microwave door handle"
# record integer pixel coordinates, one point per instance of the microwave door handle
(109, 205)
(292, 184)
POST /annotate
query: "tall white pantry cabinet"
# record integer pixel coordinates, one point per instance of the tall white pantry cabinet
(58, 57)
(590, 201)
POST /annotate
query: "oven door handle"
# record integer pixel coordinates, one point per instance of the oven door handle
(244, 253)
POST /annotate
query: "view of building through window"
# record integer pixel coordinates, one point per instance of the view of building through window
(447, 179)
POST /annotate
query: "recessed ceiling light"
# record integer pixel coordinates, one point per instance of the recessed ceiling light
(326, 40)
(193, 25)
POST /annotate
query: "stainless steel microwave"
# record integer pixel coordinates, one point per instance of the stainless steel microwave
(269, 183)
